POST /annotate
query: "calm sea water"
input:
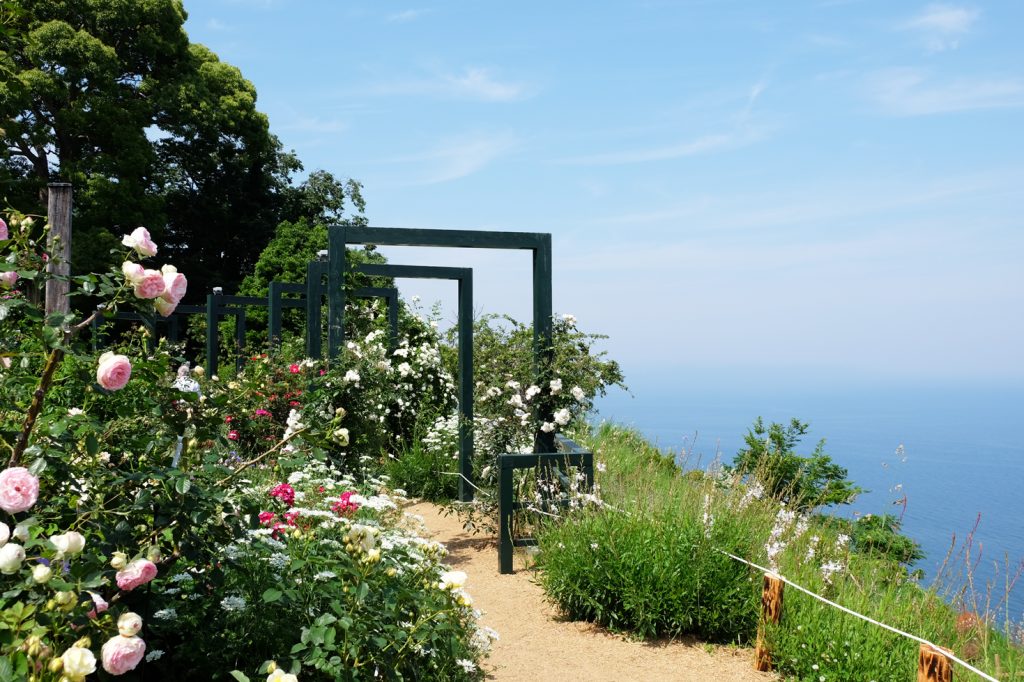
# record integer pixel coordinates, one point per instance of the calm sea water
(962, 454)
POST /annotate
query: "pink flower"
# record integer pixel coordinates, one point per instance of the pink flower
(266, 518)
(19, 490)
(133, 272)
(175, 284)
(99, 605)
(284, 492)
(289, 517)
(7, 279)
(121, 654)
(150, 286)
(3, 230)
(140, 240)
(294, 369)
(345, 505)
(113, 371)
(164, 307)
(137, 572)
(232, 435)
(261, 413)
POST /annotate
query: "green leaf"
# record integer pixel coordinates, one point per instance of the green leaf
(272, 595)
(182, 485)
(241, 677)
(92, 446)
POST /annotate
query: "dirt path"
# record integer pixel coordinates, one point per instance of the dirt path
(536, 646)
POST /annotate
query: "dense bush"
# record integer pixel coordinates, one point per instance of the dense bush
(208, 506)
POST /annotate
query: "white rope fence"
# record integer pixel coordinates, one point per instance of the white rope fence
(890, 628)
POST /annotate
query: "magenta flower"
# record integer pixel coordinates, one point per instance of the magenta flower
(284, 492)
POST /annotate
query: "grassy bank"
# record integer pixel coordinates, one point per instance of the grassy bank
(650, 562)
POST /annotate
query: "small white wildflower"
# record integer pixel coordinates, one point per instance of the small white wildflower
(233, 603)
(578, 393)
(153, 655)
(466, 664)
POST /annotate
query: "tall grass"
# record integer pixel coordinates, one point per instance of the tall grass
(650, 562)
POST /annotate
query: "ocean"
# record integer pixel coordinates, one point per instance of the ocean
(955, 452)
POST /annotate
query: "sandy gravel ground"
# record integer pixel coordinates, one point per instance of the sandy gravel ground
(536, 645)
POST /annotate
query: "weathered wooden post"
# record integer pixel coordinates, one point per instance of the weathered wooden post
(58, 245)
(933, 665)
(771, 612)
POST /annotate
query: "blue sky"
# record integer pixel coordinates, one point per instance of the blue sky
(831, 189)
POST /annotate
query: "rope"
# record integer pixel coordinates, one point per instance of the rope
(890, 628)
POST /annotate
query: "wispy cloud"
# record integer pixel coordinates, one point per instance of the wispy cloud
(941, 26)
(908, 92)
(704, 144)
(406, 16)
(471, 83)
(457, 157)
(314, 124)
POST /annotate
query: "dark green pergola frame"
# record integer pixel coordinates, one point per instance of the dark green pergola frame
(277, 303)
(464, 277)
(538, 243)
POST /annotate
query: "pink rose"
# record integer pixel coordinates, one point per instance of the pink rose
(133, 272)
(150, 286)
(294, 369)
(121, 654)
(113, 371)
(175, 284)
(137, 572)
(140, 240)
(4, 234)
(99, 605)
(19, 489)
(7, 279)
(164, 307)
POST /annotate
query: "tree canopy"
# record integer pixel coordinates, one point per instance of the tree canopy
(152, 130)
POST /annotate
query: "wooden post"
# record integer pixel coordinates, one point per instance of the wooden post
(933, 666)
(771, 612)
(58, 245)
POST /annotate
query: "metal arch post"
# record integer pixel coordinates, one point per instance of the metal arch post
(464, 277)
(537, 242)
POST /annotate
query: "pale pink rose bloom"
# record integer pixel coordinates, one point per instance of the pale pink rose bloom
(113, 371)
(7, 279)
(140, 240)
(121, 654)
(99, 605)
(164, 307)
(4, 234)
(137, 572)
(175, 284)
(129, 624)
(133, 272)
(19, 490)
(150, 286)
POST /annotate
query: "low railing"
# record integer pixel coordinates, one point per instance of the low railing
(550, 464)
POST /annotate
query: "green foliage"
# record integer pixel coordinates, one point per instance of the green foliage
(151, 130)
(649, 560)
(800, 482)
(425, 472)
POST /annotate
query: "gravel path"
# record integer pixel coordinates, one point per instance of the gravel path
(536, 645)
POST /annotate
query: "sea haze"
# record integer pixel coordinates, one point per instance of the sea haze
(962, 454)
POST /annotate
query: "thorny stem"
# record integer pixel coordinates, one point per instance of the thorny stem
(52, 363)
(256, 460)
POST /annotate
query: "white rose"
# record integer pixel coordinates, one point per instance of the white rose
(452, 580)
(78, 662)
(562, 417)
(578, 393)
(41, 573)
(11, 556)
(129, 624)
(5, 533)
(281, 676)
(21, 532)
(71, 542)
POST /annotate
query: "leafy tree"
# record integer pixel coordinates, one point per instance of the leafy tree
(150, 129)
(800, 482)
